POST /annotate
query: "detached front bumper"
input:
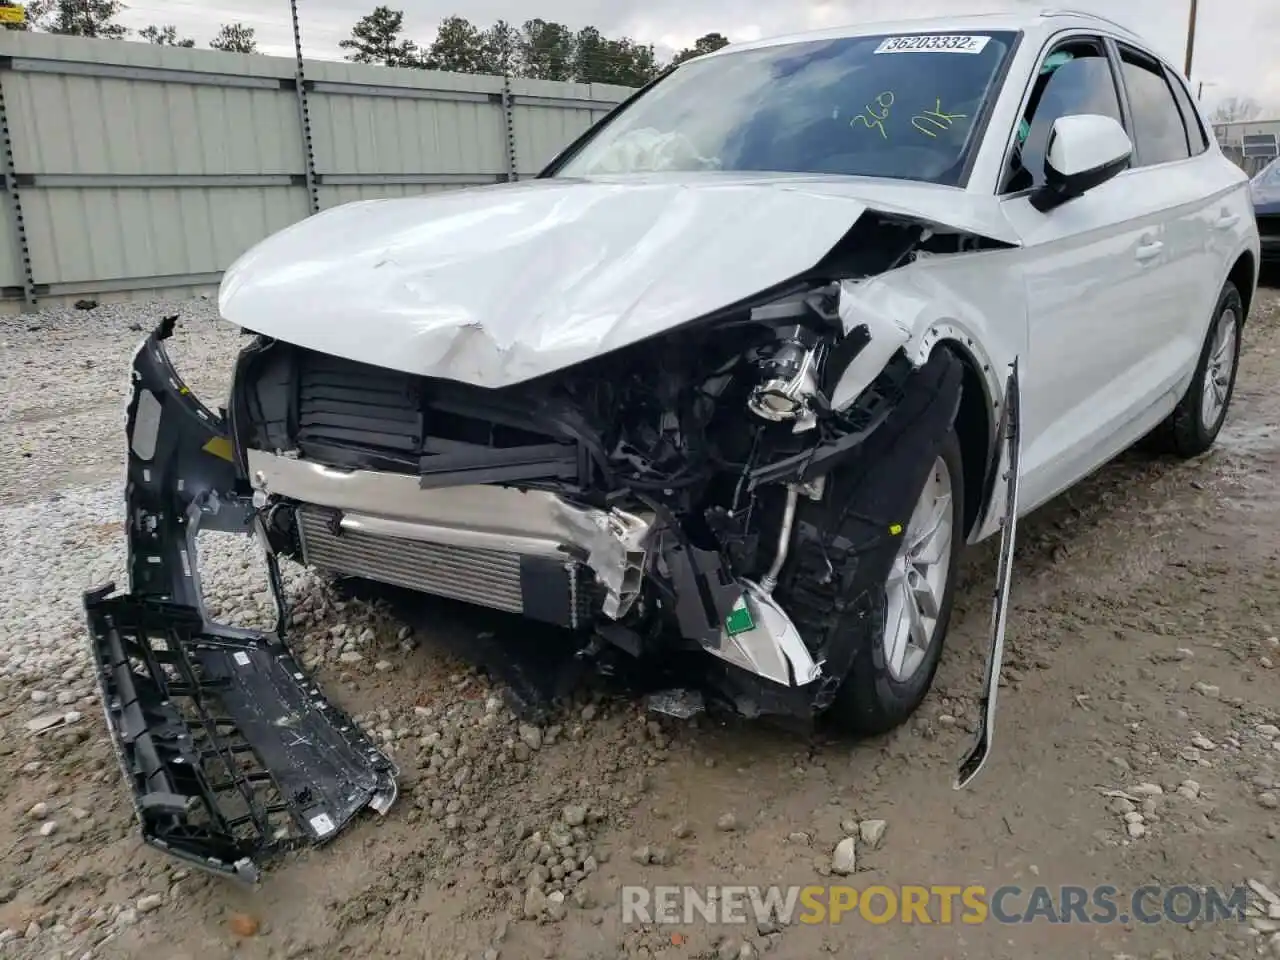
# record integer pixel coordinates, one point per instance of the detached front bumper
(231, 752)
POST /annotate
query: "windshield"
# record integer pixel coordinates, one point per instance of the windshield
(906, 107)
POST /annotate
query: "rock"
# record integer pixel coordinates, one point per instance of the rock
(48, 828)
(383, 666)
(1268, 730)
(660, 856)
(39, 811)
(642, 854)
(149, 903)
(798, 838)
(1261, 890)
(351, 656)
(1133, 817)
(682, 830)
(1203, 743)
(1189, 789)
(574, 815)
(1121, 805)
(582, 898)
(535, 902)
(1207, 689)
(845, 859)
(588, 713)
(1136, 830)
(1148, 790)
(556, 908)
(872, 832)
(1267, 800)
(531, 736)
(727, 823)
(243, 925)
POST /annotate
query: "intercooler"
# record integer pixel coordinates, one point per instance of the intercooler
(557, 591)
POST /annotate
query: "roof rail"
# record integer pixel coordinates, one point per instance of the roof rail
(1089, 14)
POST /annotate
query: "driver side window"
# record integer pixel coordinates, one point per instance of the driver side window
(1074, 78)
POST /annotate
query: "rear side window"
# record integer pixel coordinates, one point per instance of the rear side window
(1075, 78)
(1196, 136)
(1158, 133)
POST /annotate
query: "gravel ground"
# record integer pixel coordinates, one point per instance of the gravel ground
(1138, 739)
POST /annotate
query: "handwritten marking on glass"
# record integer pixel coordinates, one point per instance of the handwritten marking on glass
(929, 121)
(873, 119)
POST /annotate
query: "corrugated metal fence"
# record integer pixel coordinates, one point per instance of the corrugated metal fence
(134, 170)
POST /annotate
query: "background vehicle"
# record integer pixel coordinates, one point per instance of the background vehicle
(1265, 191)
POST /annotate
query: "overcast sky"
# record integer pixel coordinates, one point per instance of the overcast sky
(1236, 42)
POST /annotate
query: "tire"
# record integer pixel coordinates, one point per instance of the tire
(1193, 426)
(872, 700)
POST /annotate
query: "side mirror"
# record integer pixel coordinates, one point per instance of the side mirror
(1084, 151)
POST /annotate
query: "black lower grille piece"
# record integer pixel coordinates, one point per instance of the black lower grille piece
(231, 752)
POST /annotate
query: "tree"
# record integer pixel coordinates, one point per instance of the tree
(235, 38)
(459, 47)
(704, 44)
(376, 39)
(499, 49)
(79, 18)
(1236, 110)
(166, 36)
(598, 59)
(546, 50)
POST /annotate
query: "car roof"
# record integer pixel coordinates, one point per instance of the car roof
(1043, 22)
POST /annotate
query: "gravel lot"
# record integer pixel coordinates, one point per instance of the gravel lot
(1138, 740)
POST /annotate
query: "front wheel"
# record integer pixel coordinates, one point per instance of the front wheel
(896, 656)
(1197, 419)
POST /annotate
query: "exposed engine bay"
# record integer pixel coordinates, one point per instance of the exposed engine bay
(737, 487)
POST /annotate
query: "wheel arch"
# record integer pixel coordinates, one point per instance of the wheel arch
(1244, 274)
(977, 419)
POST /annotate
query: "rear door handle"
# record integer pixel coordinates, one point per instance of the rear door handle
(1226, 221)
(1148, 251)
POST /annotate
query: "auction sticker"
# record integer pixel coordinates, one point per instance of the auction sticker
(934, 43)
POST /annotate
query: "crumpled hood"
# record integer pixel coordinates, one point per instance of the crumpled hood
(495, 285)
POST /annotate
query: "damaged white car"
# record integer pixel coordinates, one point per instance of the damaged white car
(735, 378)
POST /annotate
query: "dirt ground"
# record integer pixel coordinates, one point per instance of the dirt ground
(1142, 654)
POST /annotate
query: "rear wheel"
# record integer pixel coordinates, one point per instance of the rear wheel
(896, 656)
(1196, 421)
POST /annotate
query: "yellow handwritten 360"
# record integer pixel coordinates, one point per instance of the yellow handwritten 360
(873, 119)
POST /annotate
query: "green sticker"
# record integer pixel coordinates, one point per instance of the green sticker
(739, 619)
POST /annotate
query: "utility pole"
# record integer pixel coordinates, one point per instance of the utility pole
(1191, 37)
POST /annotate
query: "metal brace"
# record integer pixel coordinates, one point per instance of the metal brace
(304, 114)
(15, 200)
(509, 126)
